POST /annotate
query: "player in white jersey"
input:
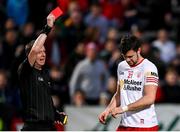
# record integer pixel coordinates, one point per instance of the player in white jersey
(136, 90)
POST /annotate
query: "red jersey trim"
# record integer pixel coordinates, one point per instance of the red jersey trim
(138, 63)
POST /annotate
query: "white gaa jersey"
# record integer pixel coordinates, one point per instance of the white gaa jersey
(132, 81)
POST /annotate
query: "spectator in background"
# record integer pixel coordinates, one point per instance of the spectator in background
(3, 86)
(104, 99)
(56, 49)
(106, 96)
(18, 10)
(74, 58)
(73, 6)
(112, 54)
(75, 28)
(9, 45)
(171, 88)
(165, 45)
(27, 33)
(83, 4)
(92, 34)
(170, 22)
(153, 54)
(175, 63)
(78, 99)
(59, 85)
(89, 75)
(111, 89)
(6, 101)
(64, 4)
(158, 9)
(109, 48)
(112, 34)
(120, 13)
(113, 62)
(96, 19)
(112, 10)
(146, 49)
(129, 14)
(178, 49)
(137, 31)
(10, 25)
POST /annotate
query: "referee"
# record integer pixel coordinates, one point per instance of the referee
(39, 112)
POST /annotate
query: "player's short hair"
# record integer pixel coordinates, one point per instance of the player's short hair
(28, 47)
(129, 42)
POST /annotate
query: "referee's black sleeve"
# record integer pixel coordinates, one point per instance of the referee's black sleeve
(24, 69)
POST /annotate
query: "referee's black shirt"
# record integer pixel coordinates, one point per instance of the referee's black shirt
(35, 94)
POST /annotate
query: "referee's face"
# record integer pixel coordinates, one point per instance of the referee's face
(41, 57)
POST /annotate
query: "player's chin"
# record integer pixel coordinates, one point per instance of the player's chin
(130, 63)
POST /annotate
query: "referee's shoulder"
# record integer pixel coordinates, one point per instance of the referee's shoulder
(20, 67)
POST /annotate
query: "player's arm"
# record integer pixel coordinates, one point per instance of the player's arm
(39, 42)
(146, 101)
(115, 102)
(149, 93)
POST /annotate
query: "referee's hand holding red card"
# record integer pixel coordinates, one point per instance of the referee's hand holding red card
(53, 15)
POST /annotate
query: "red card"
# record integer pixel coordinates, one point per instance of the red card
(57, 12)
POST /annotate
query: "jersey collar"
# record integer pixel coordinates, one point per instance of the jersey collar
(137, 63)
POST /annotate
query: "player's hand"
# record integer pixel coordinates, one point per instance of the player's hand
(116, 111)
(103, 116)
(50, 20)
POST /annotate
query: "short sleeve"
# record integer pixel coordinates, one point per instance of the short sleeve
(151, 75)
(119, 72)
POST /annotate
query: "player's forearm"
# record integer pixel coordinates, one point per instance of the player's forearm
(142, 103)
(115, 101)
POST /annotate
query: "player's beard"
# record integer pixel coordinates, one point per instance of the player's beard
(134, 62)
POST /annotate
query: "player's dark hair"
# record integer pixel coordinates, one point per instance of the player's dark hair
(129, 42)
(28, 47)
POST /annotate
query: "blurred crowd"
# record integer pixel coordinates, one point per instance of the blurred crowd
(88, 30)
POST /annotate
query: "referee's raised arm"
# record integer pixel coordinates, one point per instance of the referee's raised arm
(39, 42)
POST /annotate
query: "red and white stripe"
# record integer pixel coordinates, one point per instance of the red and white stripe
(151, 80)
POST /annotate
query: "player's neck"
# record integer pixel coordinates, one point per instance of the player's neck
(140, 58)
